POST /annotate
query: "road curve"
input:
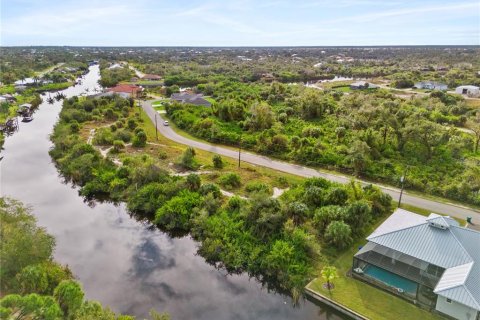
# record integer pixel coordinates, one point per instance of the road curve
(438, 207)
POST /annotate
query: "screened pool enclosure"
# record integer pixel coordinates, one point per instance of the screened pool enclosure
(399, 273)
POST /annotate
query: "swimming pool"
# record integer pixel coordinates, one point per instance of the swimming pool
(391, 279)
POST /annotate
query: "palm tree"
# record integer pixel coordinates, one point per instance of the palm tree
(328, 274)
(36, 78)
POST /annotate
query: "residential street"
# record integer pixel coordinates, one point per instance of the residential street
(438, 207)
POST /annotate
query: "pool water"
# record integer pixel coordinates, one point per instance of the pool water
(391, 279)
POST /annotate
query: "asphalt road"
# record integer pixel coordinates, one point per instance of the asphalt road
(438, 207)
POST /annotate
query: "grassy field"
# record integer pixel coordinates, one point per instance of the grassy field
(158, 105)
(474, 103)
(342, 89)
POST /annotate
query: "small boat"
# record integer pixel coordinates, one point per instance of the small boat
(27, 119)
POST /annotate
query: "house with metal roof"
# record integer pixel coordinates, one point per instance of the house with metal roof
(431, 261)
(360, 85)
(431, 85)
(469, 90)
(190, 98)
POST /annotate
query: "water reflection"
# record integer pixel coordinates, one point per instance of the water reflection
(122, 262)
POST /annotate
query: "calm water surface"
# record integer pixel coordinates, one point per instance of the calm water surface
(123, 263)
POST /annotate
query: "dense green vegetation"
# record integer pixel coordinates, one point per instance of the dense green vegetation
(279, 241)
(34, 286)
(453, 66)
(375, 135)
(111, 77)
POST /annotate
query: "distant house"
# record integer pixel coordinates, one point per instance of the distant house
(24, 82)
(151, 77)
(115, 66)
(130, 89)
(471, 91)
(431, 261)
(20, 87)
(361, 85)
(24, 108)
(190, 98)
(110, 94)
(431, 85)
(7, 98)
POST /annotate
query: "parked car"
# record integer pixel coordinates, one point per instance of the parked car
(165, 123)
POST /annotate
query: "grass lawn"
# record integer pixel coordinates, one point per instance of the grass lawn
(53, 86)
(158, 105)
(342, 88)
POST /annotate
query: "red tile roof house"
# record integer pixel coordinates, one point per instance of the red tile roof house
(151, 77)
(130, 89)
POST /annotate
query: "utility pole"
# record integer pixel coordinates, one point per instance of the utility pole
(239, 150)
(402, 180)
(156, 130)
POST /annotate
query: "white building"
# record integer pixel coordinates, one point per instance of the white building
(431, 261)
(471, 91)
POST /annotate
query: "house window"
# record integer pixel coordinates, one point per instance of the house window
(449, 300)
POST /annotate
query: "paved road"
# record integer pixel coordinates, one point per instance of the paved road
(439, 207)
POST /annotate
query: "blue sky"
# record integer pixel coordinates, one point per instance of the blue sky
(239, 22)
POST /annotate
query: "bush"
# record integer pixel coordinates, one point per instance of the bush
(162, 155)
(123, 135)
(74, 126)
(338, 233)
(260, 187)
(176, 212)
(187, 159)
(193, 182)
(230, 180)
(210, 188)
(217, 162)
(131, 124)
(140, 139)
(118, 145)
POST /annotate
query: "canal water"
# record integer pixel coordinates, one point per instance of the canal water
(127, 264)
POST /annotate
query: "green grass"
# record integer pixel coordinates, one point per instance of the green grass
(158, 105)
(342, 88)
(145, 83)
(54, 86)
(426, 212)
(363, 298)
(209, 99)
(10, 88)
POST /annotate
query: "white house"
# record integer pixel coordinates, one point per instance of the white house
(431, 261)
(431, 85)
(469, 90)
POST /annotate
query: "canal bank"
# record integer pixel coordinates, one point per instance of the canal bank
(123, 262)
